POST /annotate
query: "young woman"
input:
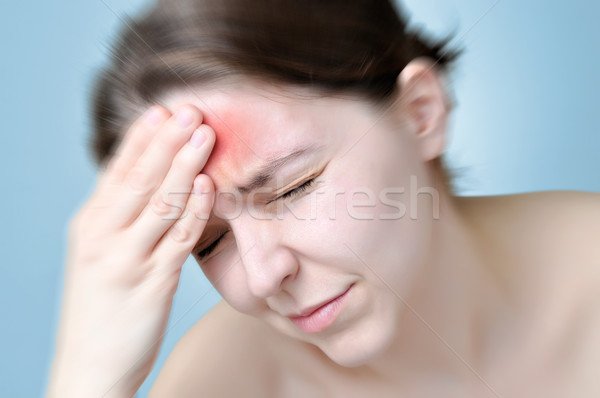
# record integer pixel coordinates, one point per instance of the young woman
(295, 149)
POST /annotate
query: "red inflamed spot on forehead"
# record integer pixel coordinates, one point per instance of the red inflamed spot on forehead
(235, 146)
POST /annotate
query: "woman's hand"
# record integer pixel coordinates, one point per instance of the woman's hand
(126, 248)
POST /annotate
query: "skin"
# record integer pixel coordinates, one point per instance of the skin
(284, 266)
(433, 300)
(440, 303)
(126, 247)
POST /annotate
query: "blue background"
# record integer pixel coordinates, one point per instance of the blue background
(527, 90)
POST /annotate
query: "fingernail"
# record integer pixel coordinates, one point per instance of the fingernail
(153, 116)
(184, 117)
(197, 139)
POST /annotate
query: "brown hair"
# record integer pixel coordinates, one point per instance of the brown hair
(349, 46)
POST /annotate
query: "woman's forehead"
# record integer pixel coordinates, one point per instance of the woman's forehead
(251, 125)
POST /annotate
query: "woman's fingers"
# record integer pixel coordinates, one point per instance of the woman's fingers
(169, 202)
(177, 243)
(148, 172)
(135, 142)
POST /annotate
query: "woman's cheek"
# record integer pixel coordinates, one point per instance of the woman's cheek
(331, 224)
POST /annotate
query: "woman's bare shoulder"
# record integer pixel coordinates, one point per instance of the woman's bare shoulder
(554, 234)
(567, 224)
(547, 239)
(568, 221)
(221, 347)
(537, 213)
(536, 203)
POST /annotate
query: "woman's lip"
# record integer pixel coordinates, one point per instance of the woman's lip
(321, 317)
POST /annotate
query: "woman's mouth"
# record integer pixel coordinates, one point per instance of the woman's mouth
(322, 317)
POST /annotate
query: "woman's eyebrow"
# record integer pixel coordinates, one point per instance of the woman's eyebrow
(268, 171)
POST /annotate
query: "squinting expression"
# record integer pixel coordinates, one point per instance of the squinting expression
(309, 195)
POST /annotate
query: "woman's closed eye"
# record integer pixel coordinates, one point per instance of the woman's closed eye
(204, 253)
(297, 190)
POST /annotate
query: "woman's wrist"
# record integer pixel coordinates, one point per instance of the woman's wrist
(71, 380)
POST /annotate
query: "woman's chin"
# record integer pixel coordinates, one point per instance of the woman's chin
(358, 348)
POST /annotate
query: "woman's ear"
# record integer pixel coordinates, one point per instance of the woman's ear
(424, 105)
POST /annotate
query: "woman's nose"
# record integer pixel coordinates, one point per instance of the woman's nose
(268, 263)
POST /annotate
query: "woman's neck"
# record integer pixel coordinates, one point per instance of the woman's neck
(448, 322)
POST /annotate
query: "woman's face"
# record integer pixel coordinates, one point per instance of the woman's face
(282, 252)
